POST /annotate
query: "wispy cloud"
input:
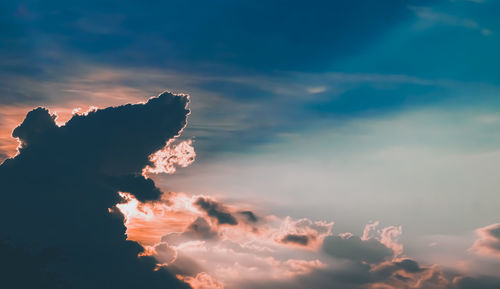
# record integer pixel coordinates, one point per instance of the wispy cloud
(431, 16)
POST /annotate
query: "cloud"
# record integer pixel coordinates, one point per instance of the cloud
(20, 269)
(488, 242)
(200, 229)
(364, 262)
(247, 123)
(270, 253)
(304, 232)
(482, 282)
(62, 183)
(251, 248)
(432, 16)
(202, 281)
(348, 246)
(165, 160)
(282, 252)
(251, 217)
(388, 236)
(38, 122)
(164, 252)
(86, 178)
(390, 275)
(216, 210)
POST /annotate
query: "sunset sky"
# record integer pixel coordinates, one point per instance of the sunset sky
(250, 144)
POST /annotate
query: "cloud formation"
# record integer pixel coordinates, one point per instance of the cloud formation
(277, 252)
(62, 183)
(216, 210)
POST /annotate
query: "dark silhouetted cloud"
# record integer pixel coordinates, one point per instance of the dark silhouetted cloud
(482, 282)
(251, 217)
(216, 210)
(57, 230)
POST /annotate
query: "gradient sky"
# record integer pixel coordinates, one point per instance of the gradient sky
(302, 114)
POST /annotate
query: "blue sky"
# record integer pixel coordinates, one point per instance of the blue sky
(289, 65)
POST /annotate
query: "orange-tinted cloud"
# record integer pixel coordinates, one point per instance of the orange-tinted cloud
(388, 236)
(304, 232)
(173, 155)
(202, 281)
(228, 245)
(187, 238)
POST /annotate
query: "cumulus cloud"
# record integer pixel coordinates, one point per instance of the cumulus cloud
(271, 255)
(281, 252)
(366, 262)
(62, 183)
(250, 247)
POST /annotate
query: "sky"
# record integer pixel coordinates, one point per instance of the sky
(250, 144)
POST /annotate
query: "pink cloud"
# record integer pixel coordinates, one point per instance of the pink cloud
(304, 233)
(173, 155)
(176, 229)
(202, 281)
(488, 242)
(388, 236)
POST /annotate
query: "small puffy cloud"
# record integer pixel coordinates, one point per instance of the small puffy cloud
(388, 236)
(216, 210)
(304, 232)
(173, 155)
(488, 242)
